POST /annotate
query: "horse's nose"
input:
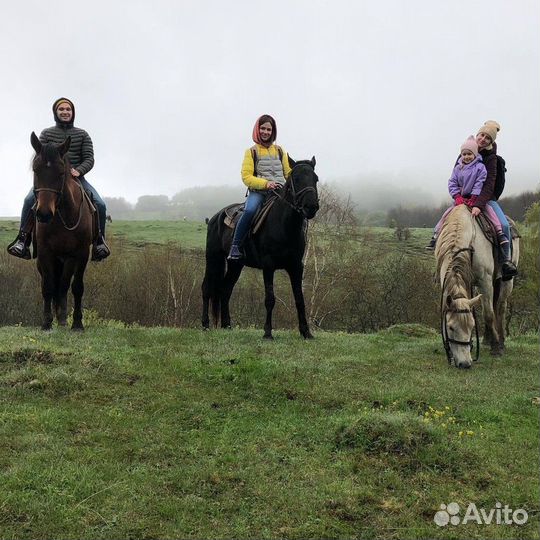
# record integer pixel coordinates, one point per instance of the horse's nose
(463, 364)
(44, 217)
(311, 210)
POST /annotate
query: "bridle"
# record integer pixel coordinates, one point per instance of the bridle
(297, 196)
(59, 195)
(445, 311)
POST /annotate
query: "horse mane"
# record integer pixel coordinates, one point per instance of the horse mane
(49, 152)
(459, 274)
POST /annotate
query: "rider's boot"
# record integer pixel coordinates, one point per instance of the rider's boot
(509, 269)
(432, 242)
(100, 250)
(234, 253)
(21, 246)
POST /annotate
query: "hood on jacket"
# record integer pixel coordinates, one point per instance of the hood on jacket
(257, 136)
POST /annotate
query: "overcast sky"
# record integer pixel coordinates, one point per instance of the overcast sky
(169, 90)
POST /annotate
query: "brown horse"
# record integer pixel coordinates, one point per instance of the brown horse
(63, 233)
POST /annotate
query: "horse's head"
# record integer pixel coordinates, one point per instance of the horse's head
(458, 328)
(303, 187)
(49, 166)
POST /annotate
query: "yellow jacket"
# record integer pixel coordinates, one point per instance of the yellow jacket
(248, 167)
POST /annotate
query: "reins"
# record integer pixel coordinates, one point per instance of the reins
(295, 194)
(444, 312)
(60, 194)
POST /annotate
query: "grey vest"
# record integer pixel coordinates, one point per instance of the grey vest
(268, 167)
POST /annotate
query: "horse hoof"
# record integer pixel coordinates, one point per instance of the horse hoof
(46, 327)
(206, 329)
(78, 328)
(308, 335)
(496, 351)
(268, 336)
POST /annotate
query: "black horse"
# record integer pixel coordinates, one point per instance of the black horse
(279, 244)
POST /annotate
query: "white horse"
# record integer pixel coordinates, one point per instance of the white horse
(465, 259)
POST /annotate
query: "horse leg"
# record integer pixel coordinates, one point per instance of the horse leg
(295, 274)
(269, 301)
(205, 319)
(234, 270)
(46, 269)
(500, 309)
(491, 335)
(65, 275)
(77, 289)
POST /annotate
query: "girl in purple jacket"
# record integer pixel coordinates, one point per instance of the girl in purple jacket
(465, 185)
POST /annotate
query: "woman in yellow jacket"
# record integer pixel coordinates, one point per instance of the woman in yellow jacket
(267, 171)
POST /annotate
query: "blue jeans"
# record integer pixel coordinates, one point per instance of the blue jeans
(30, 200)
(253, 203)
(502, 218)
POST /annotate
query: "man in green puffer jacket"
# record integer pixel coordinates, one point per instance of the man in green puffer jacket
(81, 158)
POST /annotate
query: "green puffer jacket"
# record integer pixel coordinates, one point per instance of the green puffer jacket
(81, 150)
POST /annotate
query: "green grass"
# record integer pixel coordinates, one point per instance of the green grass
(165, 433)
(192, 235)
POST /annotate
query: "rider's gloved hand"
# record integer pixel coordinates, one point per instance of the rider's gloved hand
(471, 200)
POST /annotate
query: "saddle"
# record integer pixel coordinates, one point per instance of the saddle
(489, 230)
(234, 212)
(490, 233)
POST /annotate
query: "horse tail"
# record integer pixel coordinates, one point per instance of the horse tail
(214, 273)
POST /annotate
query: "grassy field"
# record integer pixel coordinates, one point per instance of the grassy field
(192, 235)
(164, 433)
(187, 234)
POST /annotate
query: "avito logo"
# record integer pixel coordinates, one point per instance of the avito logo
(449, 513)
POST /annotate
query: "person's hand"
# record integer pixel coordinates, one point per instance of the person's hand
(75, 173)
(459, 200)
(471, 200)
(271, 185)
(475, 211)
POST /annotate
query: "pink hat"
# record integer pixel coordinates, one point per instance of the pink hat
(471, 145)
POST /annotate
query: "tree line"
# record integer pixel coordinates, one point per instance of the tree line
(515, 206)
(198, 203)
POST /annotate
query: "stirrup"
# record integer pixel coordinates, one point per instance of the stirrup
(431, 245)
(100, 250)
(234, 253)
(509, 270)
(19, 248)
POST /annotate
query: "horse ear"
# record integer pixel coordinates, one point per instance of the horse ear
(313, 161)
(64, 147)
(36, 143)
(475, 301)
(292, 163)
(449, 301)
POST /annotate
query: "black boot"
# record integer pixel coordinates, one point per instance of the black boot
(432, 242)
(20, 247)
(100, 250)
(508, 268)
(235, 253)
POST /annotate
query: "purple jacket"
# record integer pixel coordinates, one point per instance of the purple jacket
(467, 180)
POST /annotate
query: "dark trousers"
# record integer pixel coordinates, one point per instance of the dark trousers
(30, 200)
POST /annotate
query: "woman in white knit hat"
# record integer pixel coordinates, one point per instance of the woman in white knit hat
(488, 150)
